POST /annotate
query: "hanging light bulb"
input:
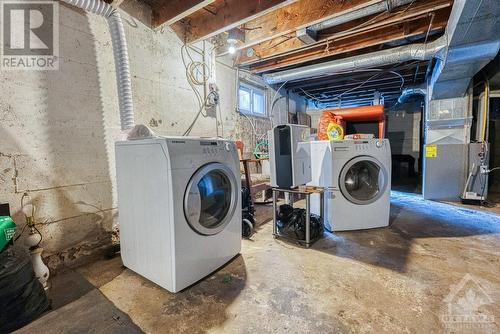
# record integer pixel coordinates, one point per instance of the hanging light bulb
(28, 209)
(234, 36)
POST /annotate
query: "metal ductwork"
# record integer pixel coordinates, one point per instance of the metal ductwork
(409, 91)
(378, 7)
(474, 40)
(375, 59)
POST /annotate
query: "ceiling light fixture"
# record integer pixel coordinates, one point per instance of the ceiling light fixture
(234, 36)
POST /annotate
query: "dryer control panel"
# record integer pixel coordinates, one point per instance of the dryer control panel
(364, 145)
(191, 152)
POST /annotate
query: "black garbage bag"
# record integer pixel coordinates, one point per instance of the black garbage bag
(292, 223)
(299, 225)
(284, 212)
(22, 297)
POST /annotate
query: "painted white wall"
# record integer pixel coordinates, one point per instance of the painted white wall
(58, 128)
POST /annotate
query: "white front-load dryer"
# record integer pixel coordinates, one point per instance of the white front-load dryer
(179, 202)
(357, 175)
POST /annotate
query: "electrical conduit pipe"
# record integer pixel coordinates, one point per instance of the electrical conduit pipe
(120, 53)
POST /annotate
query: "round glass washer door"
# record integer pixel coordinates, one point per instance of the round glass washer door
(363, 180)
(210, 198)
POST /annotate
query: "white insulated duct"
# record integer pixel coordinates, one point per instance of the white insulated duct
(120, 52)
(374, 59)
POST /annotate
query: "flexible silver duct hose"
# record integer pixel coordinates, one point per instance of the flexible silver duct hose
(381, 6)
(120, 52)
(374, 59)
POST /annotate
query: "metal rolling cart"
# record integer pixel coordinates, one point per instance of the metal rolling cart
(307, 192)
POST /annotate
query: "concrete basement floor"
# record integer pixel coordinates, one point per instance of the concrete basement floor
(393, 280)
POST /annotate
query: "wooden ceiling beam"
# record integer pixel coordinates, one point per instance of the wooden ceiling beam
(227, 14)
(170, 11)
(356, 42)
(297, 15)
(290, 43)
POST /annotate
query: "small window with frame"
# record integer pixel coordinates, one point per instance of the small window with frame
(252, 100)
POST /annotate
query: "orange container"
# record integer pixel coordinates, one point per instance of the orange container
(357, 114)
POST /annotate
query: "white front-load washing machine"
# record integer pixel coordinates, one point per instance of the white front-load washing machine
(179, 203)
(357, 175)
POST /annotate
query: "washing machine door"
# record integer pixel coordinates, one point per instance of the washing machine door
(363, 180)
(210, 199)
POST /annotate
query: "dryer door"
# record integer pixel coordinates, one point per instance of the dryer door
(211, 198)
(363, 180)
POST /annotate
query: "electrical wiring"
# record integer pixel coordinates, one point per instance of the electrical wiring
(197, 74)
(41, 236)
(358, 86)
(187, 65)
(425, 44)
(200, 112)
(221, 122)
(273, 102)
(272, 108)
(194, 69)
(309, 95)
(251, 123)
(367, 80)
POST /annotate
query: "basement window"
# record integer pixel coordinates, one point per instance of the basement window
(252, 100)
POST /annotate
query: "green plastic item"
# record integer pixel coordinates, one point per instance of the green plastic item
(7, 231)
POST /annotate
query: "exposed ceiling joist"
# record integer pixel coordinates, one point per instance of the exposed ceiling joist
(391, 83)
(358, 87)
(226, 14)
(357, 77)
(355, 42)
(169, 12)
(297, 15)
(387, 82)
(277, 46)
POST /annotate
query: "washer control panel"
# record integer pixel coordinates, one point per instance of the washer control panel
(194, 152)
(364, 145)
(212, 148)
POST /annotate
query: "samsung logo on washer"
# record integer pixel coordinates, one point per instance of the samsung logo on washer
(208, 143)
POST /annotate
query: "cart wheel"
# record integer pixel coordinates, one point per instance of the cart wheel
(252, 220)
(247, 228)
(249, 217)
